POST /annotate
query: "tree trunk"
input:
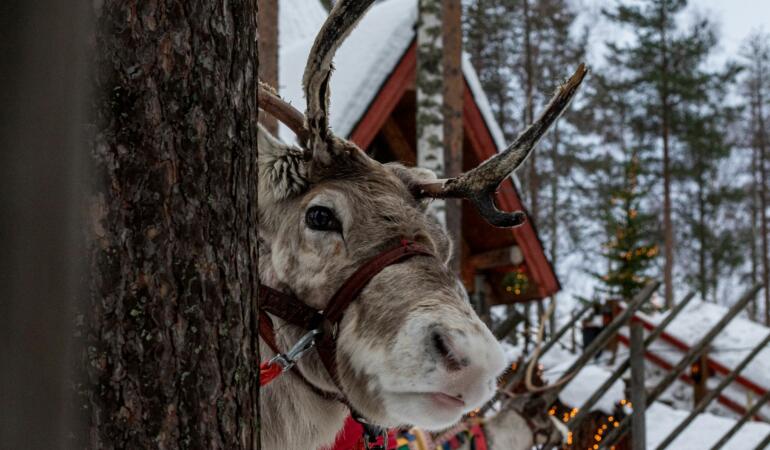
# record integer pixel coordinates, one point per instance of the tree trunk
(171, 324)
(454, 87)
(702, 275)
(762, 141)
(554, 222)
(668, 229)
(268, 53)
(430, 96)
(754, 207)
(533, 182)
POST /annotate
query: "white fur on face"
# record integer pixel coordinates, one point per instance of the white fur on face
(408, 375)
(305, 264)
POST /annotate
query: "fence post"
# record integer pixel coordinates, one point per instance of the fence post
(699, 372)
(686, 360)
(638, 391)
(585, 408)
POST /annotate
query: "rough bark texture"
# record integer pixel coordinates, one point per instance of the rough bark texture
(268, 53)
(453, 118)
(430, 99)
(170, 327)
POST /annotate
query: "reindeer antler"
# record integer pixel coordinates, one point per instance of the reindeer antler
(479, 185)
(315, 80)
(271, 102)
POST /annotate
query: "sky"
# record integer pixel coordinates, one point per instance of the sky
(735, 20)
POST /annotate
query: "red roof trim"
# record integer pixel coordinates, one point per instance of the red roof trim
(483, 145)
(662, 363)
(713, 364)
(386, 100)
(508, 199)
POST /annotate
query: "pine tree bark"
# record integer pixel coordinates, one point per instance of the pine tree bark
(754, 209)
(453, 118)
(532, 181)
(554, 222)
(668, 228)
(702, 271)
(529, 113)
(762, 142)
(171, 323)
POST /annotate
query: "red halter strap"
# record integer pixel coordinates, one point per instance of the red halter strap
(297, 313)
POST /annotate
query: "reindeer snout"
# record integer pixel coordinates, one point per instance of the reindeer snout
(471, 361)
(444, 347)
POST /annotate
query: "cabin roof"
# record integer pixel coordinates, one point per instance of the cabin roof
(362, 64)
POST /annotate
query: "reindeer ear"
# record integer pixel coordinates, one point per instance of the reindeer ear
(282, 169)
(413, 177)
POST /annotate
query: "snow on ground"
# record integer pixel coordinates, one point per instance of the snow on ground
(363, 62)
(731, 345)
(729, 348)
(705, 430)
(558, 360)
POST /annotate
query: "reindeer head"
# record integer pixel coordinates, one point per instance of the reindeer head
(410, 349)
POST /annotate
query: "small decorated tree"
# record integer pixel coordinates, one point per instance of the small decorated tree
(632, 248)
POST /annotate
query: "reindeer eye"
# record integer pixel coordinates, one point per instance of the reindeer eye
(321, 218)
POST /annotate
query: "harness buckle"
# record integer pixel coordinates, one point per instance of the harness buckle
(289, 359)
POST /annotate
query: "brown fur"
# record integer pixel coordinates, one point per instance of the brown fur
(394, 315)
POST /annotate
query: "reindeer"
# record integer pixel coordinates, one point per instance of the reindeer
(351, 262)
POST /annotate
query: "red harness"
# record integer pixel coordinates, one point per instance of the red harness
(322, 325)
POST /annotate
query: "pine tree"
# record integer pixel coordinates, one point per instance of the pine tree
(488, 38)
(632, 249)
(706, 186)
(756, 92)
(667, 77)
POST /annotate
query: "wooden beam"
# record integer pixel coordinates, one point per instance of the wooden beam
(701, 406)
(399, 145)
(453, 113)
(267, 41)
(685, 362)
(638, 391)
(585, 408)
(499, 257)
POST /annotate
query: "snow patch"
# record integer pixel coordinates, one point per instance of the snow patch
(363, 63)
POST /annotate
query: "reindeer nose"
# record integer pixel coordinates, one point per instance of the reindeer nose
(442, 344)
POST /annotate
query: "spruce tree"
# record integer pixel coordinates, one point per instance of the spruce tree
(756, 93)
(667, 77)
(632, 250)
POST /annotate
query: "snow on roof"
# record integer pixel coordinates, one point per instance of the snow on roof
(363, 63)
(582, 385)
(299, 20)
(730, 347)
